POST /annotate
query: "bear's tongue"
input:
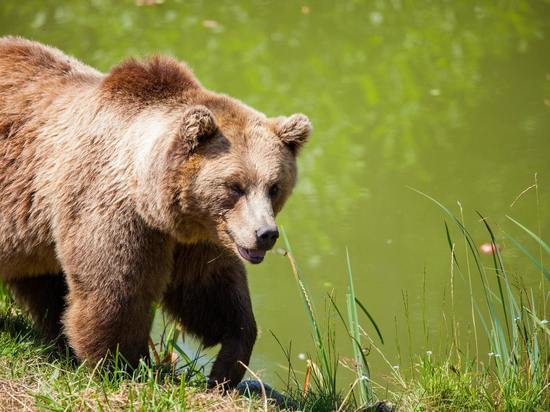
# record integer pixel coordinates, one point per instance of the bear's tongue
(252, 255)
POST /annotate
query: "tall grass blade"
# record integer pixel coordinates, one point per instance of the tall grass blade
(363, 372)
(497, 336)
(304, 294)
(500, 273)
(326, 379)
(450, 242)
(541, 242)
(534, 260)
(371, 319)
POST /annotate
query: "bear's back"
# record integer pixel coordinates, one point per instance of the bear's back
(28, 60)
(31, 75)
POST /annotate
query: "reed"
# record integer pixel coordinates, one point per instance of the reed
(321, 390)
(512, 319)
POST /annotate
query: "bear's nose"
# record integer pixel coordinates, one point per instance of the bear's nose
(266, 236)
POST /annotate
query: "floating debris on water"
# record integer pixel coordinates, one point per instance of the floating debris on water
(210, 24)
(488, 248)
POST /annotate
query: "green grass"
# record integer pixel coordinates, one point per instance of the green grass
(34, 376)
(321, 390)
(518, 372)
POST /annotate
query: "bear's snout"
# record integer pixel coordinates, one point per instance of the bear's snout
(266, 236)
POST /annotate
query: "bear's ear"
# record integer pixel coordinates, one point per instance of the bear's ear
(197, 127)
(293, 131)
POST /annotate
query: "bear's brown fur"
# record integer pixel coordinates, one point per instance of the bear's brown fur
(134, 187)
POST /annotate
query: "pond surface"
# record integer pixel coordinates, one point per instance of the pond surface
(451, 98)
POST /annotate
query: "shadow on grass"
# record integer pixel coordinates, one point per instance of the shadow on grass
(18, 327)
(19, 335)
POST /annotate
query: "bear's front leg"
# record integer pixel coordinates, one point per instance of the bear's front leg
(209, 295)
(101, 321)
(114, 274)
(229, 367)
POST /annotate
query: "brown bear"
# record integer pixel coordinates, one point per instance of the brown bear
(138, 186)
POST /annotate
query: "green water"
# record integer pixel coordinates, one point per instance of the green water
(449, 97)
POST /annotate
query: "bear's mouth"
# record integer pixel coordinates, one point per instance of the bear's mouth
(254, 256)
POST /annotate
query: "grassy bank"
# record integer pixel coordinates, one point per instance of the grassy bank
(35, 376)
(506, 316)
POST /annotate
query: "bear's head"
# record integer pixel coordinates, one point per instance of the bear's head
(235, 169)
(208, 168)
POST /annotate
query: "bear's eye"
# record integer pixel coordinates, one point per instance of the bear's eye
(274, 190)
(236, 189)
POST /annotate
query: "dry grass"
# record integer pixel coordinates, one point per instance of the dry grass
(19, 395)
(15, 395)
